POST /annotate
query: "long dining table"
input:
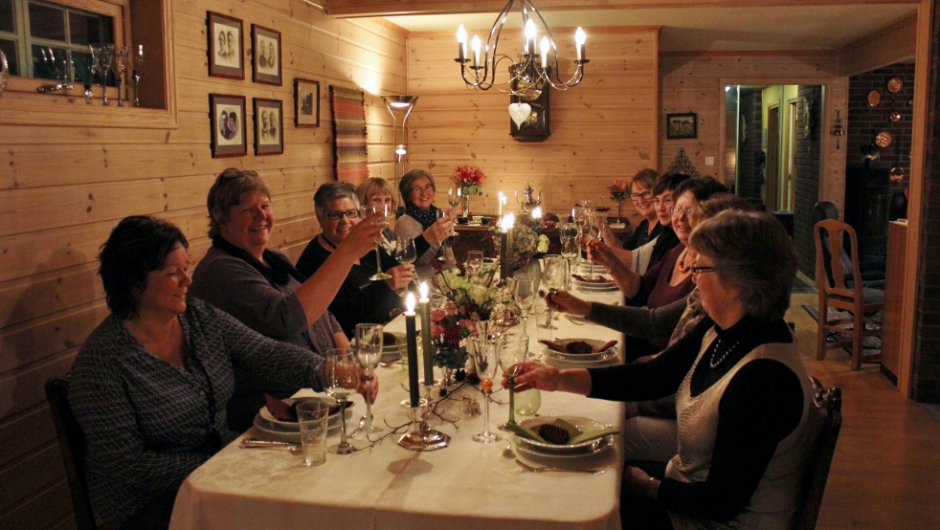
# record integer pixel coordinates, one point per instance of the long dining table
(467, 485)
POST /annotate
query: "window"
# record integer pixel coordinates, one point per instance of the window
(45, 40)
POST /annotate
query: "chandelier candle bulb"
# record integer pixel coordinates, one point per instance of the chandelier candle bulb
(425, 304)
(529, 37)
(579, 39)
(544, 46)
(501, 199)
(412, 342)
(475, 45)
(462, 43)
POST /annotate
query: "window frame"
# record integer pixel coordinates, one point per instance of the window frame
(21, 104)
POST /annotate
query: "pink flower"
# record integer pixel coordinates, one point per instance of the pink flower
(437, 315)
(436, 331)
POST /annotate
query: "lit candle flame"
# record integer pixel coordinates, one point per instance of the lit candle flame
(423, 290)
(410, 303)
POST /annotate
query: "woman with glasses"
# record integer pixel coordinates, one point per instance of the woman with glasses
(260, 287)
(417, 191)
(359, 298)
(641, 194)
(742, 394)
(149, 386)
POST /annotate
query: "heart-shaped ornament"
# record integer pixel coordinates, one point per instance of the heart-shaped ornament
(519, 112)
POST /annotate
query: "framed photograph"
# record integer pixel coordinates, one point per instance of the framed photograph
(266, 55)
(306, 103)
(226, 57)
(680, 126)
(228, 125)
(269, 126)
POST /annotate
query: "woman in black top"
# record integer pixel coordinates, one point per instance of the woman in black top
(742, 395)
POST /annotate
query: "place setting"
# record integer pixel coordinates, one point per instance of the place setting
(579, 352)
(278, 421)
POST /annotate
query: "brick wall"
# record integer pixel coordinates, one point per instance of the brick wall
(864, 122)
(806, 181)
(750, 176)
(925, 383)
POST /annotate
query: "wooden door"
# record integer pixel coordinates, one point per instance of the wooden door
(773, 159)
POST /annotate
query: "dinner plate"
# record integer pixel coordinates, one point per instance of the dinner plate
(266, 421)
(595, 286)
(571, 450)
(594, 343)
(265, 433)
(603, 445)
(586, 268)
(552, 355)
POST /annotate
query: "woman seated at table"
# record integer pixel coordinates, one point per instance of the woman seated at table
(359, 299)
(261, 288)
(417, 190)
(649, 228)
(376, 191)
(742, 392)
(670, 279)
(150, 385)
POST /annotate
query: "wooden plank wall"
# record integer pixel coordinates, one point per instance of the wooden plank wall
(602, 130)
(65, 187)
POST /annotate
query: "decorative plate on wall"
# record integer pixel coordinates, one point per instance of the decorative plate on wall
(895, 85)
(883, 139)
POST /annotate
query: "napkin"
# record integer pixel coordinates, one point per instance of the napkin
(580, 437)
(284, 412)
(563, 349)
(599, 279)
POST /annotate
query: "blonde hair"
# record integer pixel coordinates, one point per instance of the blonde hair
(372, 185)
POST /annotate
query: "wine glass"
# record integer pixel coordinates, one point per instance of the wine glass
(379, 276)
(512, 353)
(453, 196)
(341, 379)
(524, 293)
(441, 253)
(137, 57)
(369, 351)
(485, 358)
(120, 66)
(474, 262)
(569, 250)
(598, 227)
(579, 220)
(554, 276)
(103, 57)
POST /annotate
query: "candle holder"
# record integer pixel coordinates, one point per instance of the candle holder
(422, 437)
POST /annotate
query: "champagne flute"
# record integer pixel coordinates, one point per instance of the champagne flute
(524, 293)
(137, 57)
(406, 252)
(379, 275)
(120, 66)
(579, 221)
(554, 276)
(103, 56)
(485, 358)
(569, 250)
(369, 351)
(341, 379)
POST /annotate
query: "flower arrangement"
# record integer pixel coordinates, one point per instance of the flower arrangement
(620, 191)
(526, 244)
(477, 297)
(470, 179)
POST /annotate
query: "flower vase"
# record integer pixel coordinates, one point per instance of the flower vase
(465, 205)
(619, 212)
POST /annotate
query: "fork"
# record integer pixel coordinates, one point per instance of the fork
(546, 469)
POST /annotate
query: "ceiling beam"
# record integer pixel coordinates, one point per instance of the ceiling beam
(378, 8)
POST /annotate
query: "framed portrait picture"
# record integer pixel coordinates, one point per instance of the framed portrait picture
(269, 126)
(266, 54)
(682, 125)
(228, 125)
(226, 57)
(306, 103)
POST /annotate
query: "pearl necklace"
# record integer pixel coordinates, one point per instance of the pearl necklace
(712, 362)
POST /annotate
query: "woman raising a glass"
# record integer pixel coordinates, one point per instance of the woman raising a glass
(417, 190)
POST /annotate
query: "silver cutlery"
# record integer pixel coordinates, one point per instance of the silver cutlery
(546, 469)
(254, 443)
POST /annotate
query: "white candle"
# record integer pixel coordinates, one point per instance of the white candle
(475, 46)
(529, 37)
(537, 212)
(544, 46)
(500, 198)
(579, 38)
(462, 42)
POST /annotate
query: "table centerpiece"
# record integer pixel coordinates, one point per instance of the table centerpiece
(470, 181)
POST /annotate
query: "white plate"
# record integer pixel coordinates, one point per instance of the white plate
(592, 286)
(580, 449)
(586, 268)
(552, 355)
(265, 433)
(594, 343)
(266, 421)
(603, 445)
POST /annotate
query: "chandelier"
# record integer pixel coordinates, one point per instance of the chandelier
(535, 69)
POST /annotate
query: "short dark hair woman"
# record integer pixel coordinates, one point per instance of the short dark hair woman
(150, 385)
(260, 286)
(417, 190)
(742, 394)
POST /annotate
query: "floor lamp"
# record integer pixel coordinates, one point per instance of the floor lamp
(400, 108)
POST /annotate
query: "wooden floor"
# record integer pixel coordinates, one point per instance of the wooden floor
(886, 470)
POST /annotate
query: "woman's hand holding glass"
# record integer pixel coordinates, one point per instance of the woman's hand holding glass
(568, 303)
(377, 213)
(363, 237)
(341, 378)
(531, 374)
(369, 338)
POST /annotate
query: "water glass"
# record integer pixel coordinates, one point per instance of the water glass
(313, 418)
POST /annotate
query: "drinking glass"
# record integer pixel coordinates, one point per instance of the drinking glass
(474, 262)
(103, 56)
(579, 220)
(120, 66)
(137, 57)
(569, 250)
(379, 276)
(441, 252)
(486, 358)
(341, 379)
(598, 227)
(405, 252)
(313, 420)
(555, 277)
(369, 352)
(453, 196)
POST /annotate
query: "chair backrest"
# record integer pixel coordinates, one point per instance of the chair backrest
(72, 444)
(827, 412)
(832, 270)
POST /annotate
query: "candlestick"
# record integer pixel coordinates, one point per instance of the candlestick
(426, 334)
(412, 341)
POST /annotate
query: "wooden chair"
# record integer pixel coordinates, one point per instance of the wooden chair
(72, 443)
(826, 420)
(840, 287)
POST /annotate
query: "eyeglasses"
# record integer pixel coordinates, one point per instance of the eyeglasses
(646, 195)
(419, 189)
(679, 212)
(696, 270)
(667, 201)
(233, 173)
(337, 215)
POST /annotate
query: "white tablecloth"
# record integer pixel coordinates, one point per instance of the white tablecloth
(467, 485)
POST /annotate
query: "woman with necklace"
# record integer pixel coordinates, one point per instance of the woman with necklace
(742, 394)
(359, 299)
(417, 189)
